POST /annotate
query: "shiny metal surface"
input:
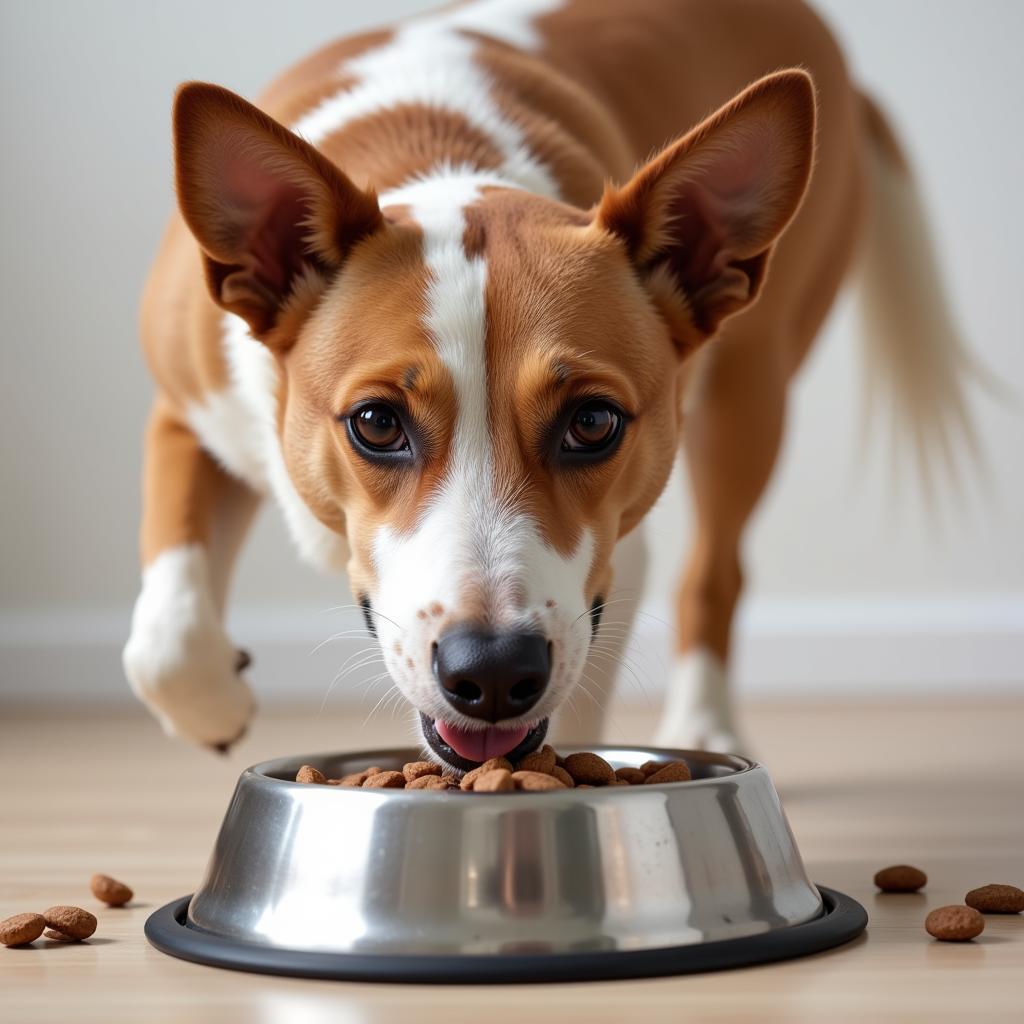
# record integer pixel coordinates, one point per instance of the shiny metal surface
(387, 871)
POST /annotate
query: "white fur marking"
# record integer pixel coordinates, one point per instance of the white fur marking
(178, 659)
(698, 711)
(239, 427)
(469, 534)
(430, 62)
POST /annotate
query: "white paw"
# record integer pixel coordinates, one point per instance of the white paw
(178, 659)
(698, 708)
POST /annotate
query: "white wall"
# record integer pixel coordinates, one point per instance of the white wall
(852, 584)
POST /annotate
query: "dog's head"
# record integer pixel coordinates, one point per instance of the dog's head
(480, 387)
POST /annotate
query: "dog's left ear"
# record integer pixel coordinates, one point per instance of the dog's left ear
(699, 220)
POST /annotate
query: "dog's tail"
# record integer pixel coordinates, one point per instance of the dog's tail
(915, 360)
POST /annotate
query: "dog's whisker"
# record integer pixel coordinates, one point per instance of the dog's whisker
(369, 656)
(362, 609)
(335, 682)
(618, 659)
(386, 694)
(348, 634)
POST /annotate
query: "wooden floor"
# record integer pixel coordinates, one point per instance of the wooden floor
(937, 785)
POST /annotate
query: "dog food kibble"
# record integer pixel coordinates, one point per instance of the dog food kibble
(996, 899)
(110, 891)
(900, 878)
(20, 929)
(385, 780)
(954, 924)
(355, 779)
(542, 760)
(589, 769)
(538, 771)
(417, 769)
(433, 782)
(498, 780)
(674, 771)
(535, 782)
(470, 777)
(73, 923)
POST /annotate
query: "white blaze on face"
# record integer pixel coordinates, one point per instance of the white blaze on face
(470, 539)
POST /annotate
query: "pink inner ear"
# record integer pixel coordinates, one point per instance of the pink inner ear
(267, 215)
(717, 209)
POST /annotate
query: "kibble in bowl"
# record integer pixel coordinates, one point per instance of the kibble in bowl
(540, 771)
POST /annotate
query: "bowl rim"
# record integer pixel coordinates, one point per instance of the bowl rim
(841, 920)
(261, 773)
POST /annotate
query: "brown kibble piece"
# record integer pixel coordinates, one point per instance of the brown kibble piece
(954, 923)
(427, 782)
(535, 782)
(385, 780)
(417, 769)
(674, 771)
(650, 767)
(900, 878)
(348, 781)
(307, 773)
(74, 922)
(631, 775)
(497, 781)
(589, 768)
(110, 891)
(372, 770)
(542, 760)
(470, 777)
(55, 936)
(996, 899)
(494, 763)
(563, 776)
(21, 929)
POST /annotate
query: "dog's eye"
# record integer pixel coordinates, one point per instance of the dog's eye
(378, 428)
(593, 427)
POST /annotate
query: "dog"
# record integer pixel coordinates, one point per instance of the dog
(457, 293)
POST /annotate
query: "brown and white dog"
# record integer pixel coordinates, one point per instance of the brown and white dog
(446, 314)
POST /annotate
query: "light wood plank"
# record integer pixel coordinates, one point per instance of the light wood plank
(940, 785)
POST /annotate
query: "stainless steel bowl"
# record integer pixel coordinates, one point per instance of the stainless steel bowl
(388, 875)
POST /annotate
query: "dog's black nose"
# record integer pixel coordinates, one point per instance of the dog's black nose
(492, 676)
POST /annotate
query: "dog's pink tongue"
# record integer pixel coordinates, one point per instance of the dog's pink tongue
(481, 744)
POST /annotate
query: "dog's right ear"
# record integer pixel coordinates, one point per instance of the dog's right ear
(265, 206)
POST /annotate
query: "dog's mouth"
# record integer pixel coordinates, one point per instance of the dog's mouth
(465, 750)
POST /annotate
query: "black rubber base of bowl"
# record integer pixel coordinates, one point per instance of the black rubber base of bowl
(843, 920)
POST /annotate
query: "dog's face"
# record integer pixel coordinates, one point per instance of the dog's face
(482, 387)
(488, 425)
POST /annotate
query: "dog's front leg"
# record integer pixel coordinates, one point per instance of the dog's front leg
(731, 441)
(178, 659)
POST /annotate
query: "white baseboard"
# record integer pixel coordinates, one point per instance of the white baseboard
(833, 647)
